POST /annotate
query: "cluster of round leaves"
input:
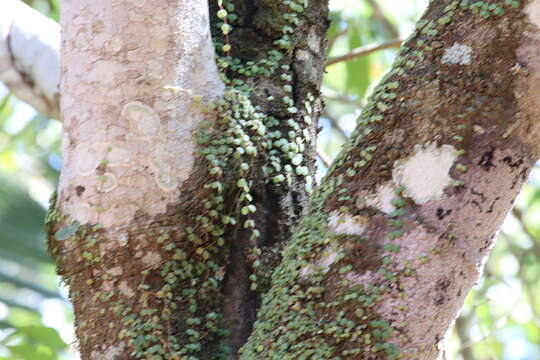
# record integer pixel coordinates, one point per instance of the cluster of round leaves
(199, 273)
(243, 134)
(230, 146)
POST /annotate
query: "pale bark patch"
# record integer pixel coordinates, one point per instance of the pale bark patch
(458, 54)
(332, 254)
(129, 142)
(382, 200)
(87, 158)
(107, 182)
(343, 224)
(313, 40)
(125, 289)
(102, 70)
(122, 239)
(426, 173)
(138, 3)
(533, 12)
(115, 271)
(152, 259)
(108, 354)
(143, 120)
(83, 213)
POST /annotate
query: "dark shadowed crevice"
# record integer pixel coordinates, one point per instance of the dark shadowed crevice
(279, 208)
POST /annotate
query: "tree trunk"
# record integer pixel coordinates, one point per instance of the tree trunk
(131, 73)
(174, 206)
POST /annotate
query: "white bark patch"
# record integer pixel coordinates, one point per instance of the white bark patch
(138, 3)
(119, 156)
(161, 164)
(87, 159)
(122, 239)
(108, 354)
(151, 259)
(125, 289)
(107, 182)
(329, 257)
(332, 254)
(115, 271)
(458, 54)
(83, 213)
(383, 199)
(347, 225)
(426, 173)
(313, 41)
(533, 12)
(102, 70)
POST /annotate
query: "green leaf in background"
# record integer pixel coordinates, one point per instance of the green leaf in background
(533, 332)
(44, 335)
(21, 224)
(26, 351)
(33, 342)
(358, 79)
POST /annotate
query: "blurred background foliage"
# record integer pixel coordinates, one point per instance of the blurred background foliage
(500, 320)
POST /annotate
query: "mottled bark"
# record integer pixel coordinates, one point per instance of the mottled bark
(132, 73)
(399, 229)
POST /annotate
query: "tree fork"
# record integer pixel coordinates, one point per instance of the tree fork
(179, 264)
(394, 237)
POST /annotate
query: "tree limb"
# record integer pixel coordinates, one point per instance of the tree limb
(365, 50)
(29, 56)
(379, 15)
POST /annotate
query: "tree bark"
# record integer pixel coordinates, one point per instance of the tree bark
(169, 238)
(132, 73)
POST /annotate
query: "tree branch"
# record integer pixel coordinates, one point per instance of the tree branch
(29, 56)
(325, 159)
(379, 15)
(385, 252)
(365, 50)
